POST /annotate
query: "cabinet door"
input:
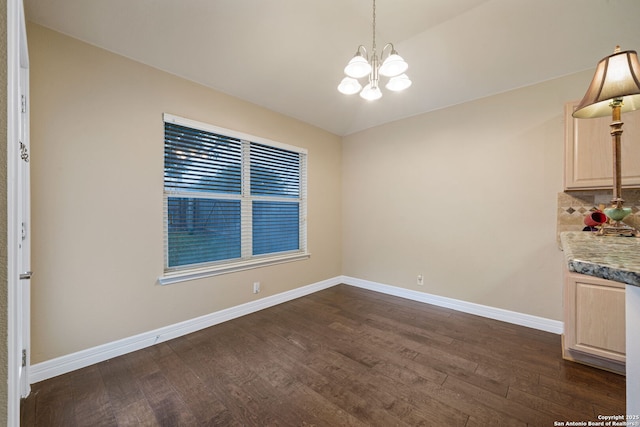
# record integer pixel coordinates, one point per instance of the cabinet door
(589, 153)
(595, 316)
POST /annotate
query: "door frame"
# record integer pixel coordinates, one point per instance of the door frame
(18, 312)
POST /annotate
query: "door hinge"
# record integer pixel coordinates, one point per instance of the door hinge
(23, 104)
(24, 357)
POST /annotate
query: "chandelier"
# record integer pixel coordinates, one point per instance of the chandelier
(361, 65)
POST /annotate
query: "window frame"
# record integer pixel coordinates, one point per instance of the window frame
(247, 261)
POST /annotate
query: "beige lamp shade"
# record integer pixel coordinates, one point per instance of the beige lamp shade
(617, 77)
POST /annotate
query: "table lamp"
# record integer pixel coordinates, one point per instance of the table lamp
(614, 89)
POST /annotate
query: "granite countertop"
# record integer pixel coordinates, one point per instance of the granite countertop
(607, 257)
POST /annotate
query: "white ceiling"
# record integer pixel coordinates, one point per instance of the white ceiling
(288, 55)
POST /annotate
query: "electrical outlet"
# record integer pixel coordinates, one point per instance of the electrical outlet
(256, 287)
(420, 280)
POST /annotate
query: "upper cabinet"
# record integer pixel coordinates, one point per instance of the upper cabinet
(588, 151)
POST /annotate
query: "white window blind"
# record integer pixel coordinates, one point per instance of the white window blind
(231, 201)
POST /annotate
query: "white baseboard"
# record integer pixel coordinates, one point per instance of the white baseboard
(535, 322)
(71, 362)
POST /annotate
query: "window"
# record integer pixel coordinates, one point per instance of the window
(231, 201)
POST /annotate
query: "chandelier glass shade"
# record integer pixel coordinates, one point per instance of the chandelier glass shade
(362, 65)
(358, 66)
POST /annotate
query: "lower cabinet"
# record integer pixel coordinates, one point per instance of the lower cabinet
(594, 322)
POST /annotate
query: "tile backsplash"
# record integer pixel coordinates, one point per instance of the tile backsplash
(573, 207)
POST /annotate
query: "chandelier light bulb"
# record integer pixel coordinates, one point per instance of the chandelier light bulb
(358, 67)
(349, 86)
(371, 93)
(398, 83)
(393, 66)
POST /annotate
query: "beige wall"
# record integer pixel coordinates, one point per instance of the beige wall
(97, 177)
(3, 215)
(465, 196)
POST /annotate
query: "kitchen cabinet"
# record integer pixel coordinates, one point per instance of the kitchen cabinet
(588, 151)
(594, 321)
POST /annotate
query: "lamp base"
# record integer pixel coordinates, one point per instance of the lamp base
(616, 212)
(617, 229)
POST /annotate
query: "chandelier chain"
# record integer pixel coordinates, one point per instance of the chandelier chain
(374, 25)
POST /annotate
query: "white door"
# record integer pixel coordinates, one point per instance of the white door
(24, 239)
(18, 202)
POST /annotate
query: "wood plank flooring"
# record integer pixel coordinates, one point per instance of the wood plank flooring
(340, 357)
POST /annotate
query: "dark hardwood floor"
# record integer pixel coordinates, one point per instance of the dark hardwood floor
(343, 356)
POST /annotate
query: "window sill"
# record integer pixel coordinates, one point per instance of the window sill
(199, 273)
